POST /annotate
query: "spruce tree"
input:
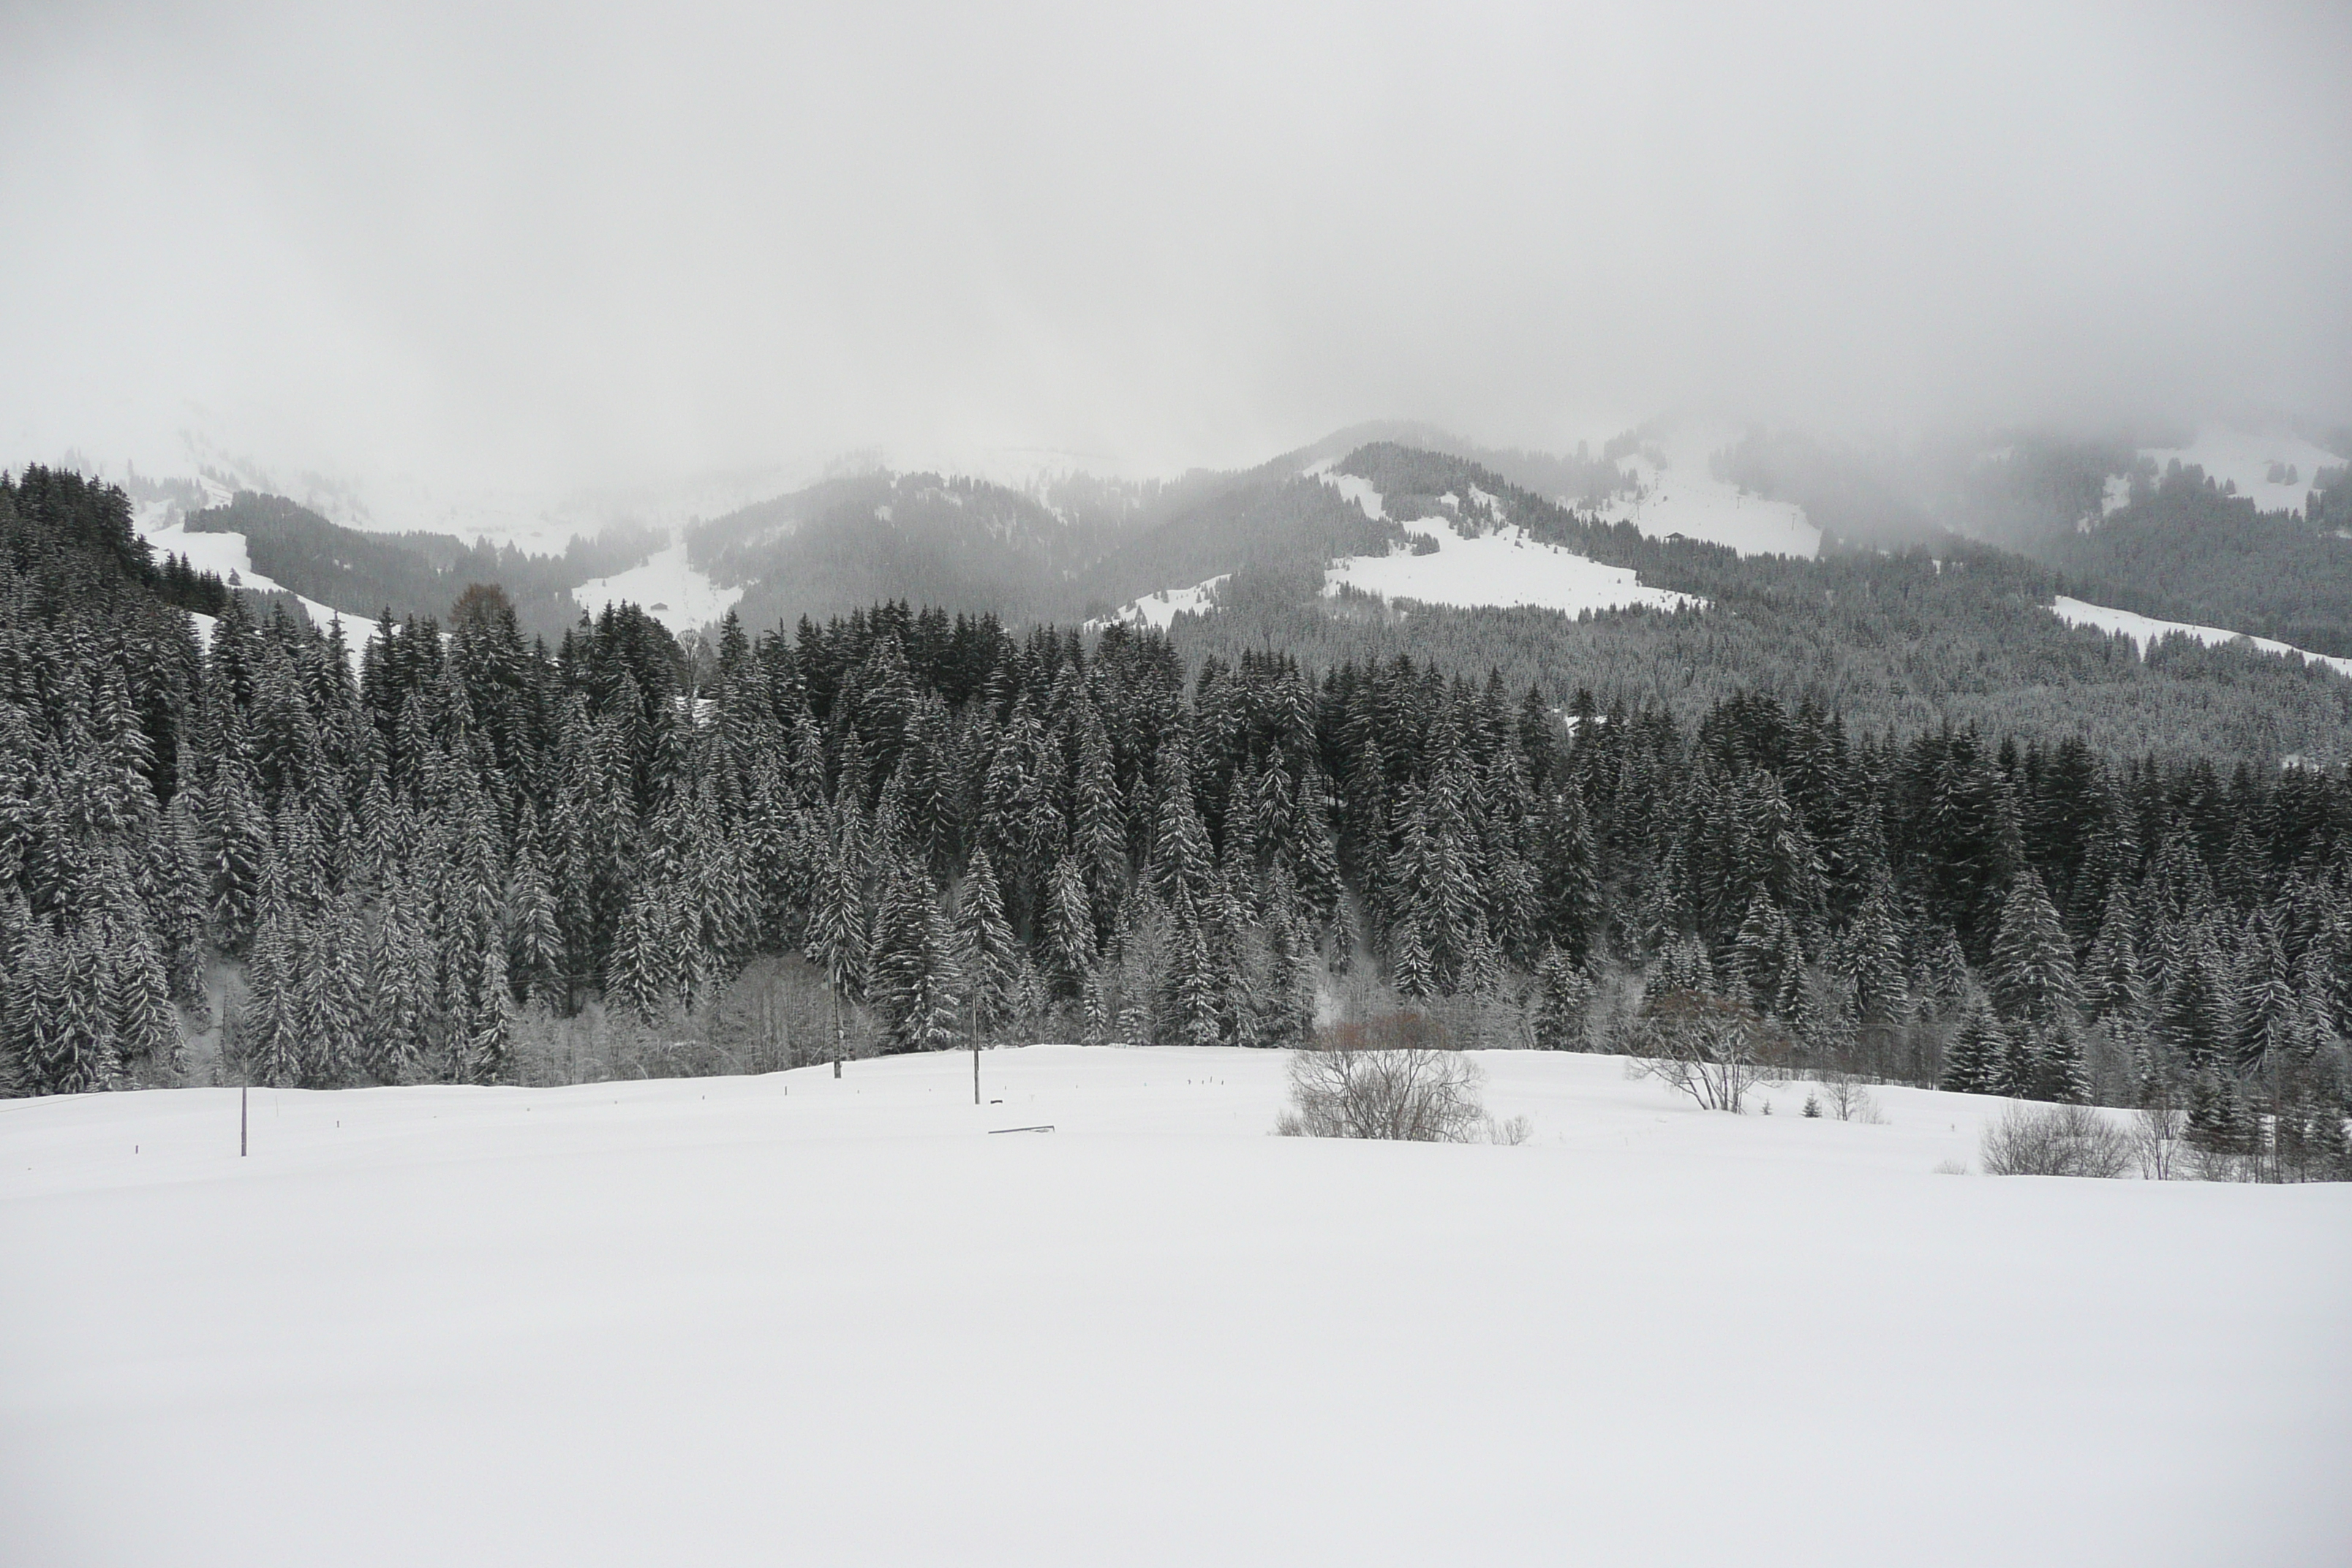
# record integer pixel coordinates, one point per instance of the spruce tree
(1977, 1059)
(2032, 972)
(1561, 991)
(2196, 1017)
(989, 956)
(1066, 939)
(635, 972)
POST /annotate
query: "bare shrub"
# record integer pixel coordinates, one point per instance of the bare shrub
(1710, 1047)
(2055, 1141)
(1951, 1167)
(1512, 1130)
(1850, 1101)
(1388, 1078)
(2156, 1143)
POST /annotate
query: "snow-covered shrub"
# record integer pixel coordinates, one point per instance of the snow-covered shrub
(2055, 1141)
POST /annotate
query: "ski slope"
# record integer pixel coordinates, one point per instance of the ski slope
(2145, 631)
(1676, 492)
(226, 554)
(787, 1318)
(668, 586)
(1506, 567)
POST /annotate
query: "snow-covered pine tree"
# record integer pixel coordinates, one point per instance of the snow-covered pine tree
(139, 1015)
(2113, 989)
(1181, 855)
(1066, 937)
(1193, 992)
(1569, 878)
(2197, 1019)
(1562, 990)
(534, 945)
(989, 956)
(636, 971)
(2032, 971)
(269, 1027)
(1977, 1057)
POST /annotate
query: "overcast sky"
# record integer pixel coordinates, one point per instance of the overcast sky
(548, 247)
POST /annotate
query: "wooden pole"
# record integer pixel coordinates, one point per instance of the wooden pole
(241, 1120)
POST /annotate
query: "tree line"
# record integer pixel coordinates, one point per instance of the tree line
(385, 868)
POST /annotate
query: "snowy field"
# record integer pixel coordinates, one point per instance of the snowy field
(1505, 567)
(794, 1320)
(2145, 630)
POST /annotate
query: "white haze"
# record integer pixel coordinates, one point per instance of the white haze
(555, 247)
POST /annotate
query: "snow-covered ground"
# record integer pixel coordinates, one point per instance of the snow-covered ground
(1157, 610)
(2145, 630)
(792, 1319)
(1505, 567)
(1676, 492)
(2246, 458)
(164, 528)
(668, 586)
(1349, 487)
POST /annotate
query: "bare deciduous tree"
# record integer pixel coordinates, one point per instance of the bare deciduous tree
(1710, 1047)
(1848, 1100)
(2156, 1143)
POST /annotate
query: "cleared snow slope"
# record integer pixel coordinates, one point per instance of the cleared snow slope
(1505, 567)
(2145, 630)
(2246, 458)
(1157, 610)
(224, 553)
(794, 1320)
(667, 587)
(1676, 492)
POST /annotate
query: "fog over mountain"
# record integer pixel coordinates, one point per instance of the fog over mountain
(566, 247)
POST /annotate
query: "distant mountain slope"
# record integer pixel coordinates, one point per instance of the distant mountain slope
(960, 542)
(2186, 551)
(1272, 523)
(361, 575)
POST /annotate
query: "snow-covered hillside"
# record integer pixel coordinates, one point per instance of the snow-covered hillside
(1676, 492)
(1505, 567)
(162, 528)
(1157, 610)
(2249, 461)
(2145, 630)
(792, 1319)
(1485, 561)
(668, 586)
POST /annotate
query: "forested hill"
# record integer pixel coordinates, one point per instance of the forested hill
(474, 862)
(1949, 631)
(363, 575)
(2185, 551)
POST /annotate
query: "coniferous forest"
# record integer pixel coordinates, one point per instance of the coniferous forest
(252, 852)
